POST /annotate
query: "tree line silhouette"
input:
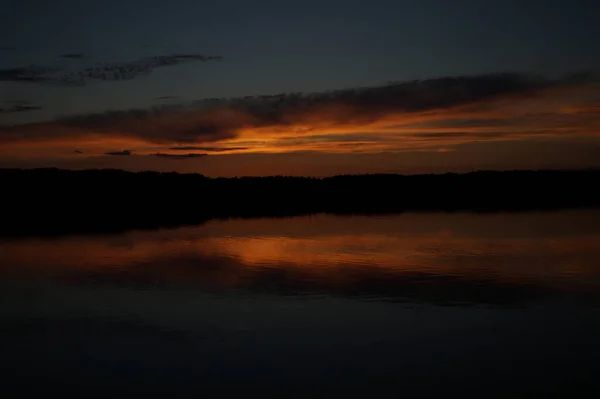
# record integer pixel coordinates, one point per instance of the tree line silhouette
(54, 201)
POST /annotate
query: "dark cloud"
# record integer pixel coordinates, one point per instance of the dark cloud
(167, 98)
(297, 114)
(17, 102)
(208, 149)
(162, 125)
(131, 70)
(102, 71)
(78, 152)
(28, 74)
(75, 56)
(21, 107)
(178, 156)
(349, 137)
(7, 48)
(119, 153)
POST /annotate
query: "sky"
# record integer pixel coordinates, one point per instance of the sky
(230, 88)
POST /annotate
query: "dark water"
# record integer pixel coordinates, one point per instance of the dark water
(397, 306)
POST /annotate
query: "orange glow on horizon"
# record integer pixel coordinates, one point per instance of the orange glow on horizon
(558, 114)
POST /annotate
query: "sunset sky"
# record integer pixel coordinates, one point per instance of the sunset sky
(325, 87)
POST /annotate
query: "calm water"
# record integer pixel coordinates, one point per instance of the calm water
(404, 305)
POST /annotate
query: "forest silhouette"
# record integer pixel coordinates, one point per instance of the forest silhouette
(52, 201)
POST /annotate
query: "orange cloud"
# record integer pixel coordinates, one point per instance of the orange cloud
(410, 116)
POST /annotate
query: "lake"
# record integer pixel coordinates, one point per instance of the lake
(415, 304)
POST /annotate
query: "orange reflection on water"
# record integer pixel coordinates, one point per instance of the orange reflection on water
(554, 248)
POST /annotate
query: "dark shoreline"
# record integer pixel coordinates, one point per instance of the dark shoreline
(47, 202)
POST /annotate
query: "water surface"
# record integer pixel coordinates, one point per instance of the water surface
(411, 304)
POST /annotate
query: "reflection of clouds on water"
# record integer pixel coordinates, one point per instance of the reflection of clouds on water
(399, 258)
(307, 299)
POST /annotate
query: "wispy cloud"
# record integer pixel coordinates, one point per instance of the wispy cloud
(107, 71)
(166, 98)
(119, 153)
(178, 156)
(590, 109)
(20, 107)
(208, 149)
(431, 113)
(28, 74)
(131, 70)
